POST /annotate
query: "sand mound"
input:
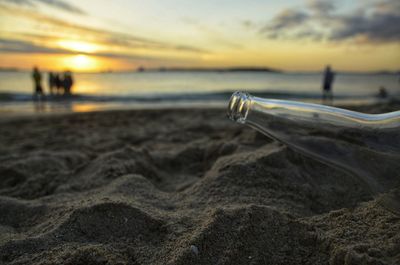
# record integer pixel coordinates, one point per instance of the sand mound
(368, 234)
(179, 187)
(225, 236)
(279, 177)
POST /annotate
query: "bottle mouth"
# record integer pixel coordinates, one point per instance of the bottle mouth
(239, 106)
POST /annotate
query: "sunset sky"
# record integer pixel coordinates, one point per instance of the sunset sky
(297, 35)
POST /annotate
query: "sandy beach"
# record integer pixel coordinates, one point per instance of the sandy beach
(180, 186)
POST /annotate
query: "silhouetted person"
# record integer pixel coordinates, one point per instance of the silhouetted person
(68, 82)
(382, 92)
(37, 80)
(52, 82)
(58, 83)
(329, 77)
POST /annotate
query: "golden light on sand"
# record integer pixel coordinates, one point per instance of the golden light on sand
(81, 62)
(78, 46)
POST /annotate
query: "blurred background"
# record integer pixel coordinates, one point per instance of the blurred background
(124, 54)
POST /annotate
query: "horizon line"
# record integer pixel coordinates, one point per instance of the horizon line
(161, 69)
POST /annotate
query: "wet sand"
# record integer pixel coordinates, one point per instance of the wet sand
(179, 187)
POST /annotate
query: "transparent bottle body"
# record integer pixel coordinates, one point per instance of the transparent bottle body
(366, 145)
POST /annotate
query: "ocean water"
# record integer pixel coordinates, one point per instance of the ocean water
(153, 89)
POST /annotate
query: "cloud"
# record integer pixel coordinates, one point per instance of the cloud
(60, 29)
(388, 6)
(321, 7)
(378, 27)
(309, 34)
(63, 6)
(377, 21)
(287, 19)
(129, 41)
(20, 46)
(58, 4)
(28, 3)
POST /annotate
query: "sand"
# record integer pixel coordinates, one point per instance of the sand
(180, 187)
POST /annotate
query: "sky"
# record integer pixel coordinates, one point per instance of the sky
(120, 35)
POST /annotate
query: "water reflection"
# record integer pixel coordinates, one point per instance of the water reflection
(67, 107)
(39, 106)
(88, 87)
(85, 107)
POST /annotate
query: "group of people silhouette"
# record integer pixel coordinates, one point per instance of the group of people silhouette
(58, 84)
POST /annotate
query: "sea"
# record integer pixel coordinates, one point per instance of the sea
(104, 91)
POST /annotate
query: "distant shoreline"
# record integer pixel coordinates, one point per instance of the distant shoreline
(199, 69)
(212, 70)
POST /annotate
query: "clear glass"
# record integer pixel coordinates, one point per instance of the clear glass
(366, 145)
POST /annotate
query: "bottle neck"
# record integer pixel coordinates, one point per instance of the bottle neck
(244, 108)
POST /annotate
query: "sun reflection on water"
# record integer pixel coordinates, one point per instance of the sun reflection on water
(87, 87)
(85, 107)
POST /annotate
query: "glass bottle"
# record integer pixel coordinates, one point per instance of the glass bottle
(366, 145)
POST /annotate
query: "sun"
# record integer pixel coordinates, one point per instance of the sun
(81, 63)
(78, 46)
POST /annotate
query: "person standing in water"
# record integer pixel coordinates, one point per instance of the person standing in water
(58, 83)
(52, 82)
(329, 77)
(37, 80)
(68, 82)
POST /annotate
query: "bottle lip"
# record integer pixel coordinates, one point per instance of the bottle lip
(239, 106)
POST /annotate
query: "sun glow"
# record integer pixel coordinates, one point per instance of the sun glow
(54, 62)
(81, 63)
(78, 46)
